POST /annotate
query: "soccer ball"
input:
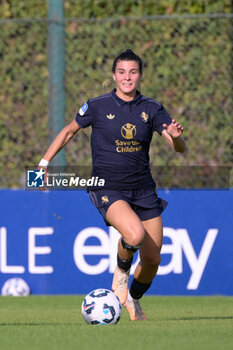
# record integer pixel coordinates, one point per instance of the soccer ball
(101, 306)
(15, 287)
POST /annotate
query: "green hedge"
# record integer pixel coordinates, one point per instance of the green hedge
(188, 67)
(113, 8)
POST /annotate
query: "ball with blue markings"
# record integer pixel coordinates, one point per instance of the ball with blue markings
(101, 307)
(15, 287)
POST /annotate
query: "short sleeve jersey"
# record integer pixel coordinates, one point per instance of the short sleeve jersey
(121, 136)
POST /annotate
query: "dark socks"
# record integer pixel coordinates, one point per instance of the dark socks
(124, 264)
(137, 289)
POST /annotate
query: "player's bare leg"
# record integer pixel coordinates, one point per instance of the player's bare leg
(150, 250)
(132, 231)
(147, 267)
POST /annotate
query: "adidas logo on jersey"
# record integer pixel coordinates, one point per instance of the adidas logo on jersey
(110, 116)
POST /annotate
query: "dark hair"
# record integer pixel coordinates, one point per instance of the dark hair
(127, 55)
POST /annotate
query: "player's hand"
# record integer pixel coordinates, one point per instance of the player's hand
(174, 129)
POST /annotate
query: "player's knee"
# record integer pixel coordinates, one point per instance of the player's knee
(136, 237)
(130, 247)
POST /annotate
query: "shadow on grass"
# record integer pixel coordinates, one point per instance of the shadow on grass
(198, 318)
(16, 324)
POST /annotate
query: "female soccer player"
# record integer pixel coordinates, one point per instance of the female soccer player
(123, 122)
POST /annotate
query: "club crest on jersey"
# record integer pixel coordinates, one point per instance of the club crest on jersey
(110, 116)
(83, 109)
(144, 116)
(104, 199)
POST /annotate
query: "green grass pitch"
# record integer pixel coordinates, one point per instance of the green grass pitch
(56, 323)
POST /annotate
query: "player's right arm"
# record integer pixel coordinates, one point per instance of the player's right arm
(64, 136)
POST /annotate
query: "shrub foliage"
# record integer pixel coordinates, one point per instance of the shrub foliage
(188, 67)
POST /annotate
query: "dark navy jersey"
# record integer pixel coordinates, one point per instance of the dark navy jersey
(121, 136)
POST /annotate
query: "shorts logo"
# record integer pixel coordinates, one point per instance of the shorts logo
(83, 109)
(35, 178)
(128, 131)
(144, 116)
(105, 199)
(110, 116)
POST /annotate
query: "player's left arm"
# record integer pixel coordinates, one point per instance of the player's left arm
(172, 135)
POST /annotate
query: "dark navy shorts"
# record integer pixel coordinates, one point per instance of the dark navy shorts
(145, 201)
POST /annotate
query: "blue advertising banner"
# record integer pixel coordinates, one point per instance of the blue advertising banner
(59, 244)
